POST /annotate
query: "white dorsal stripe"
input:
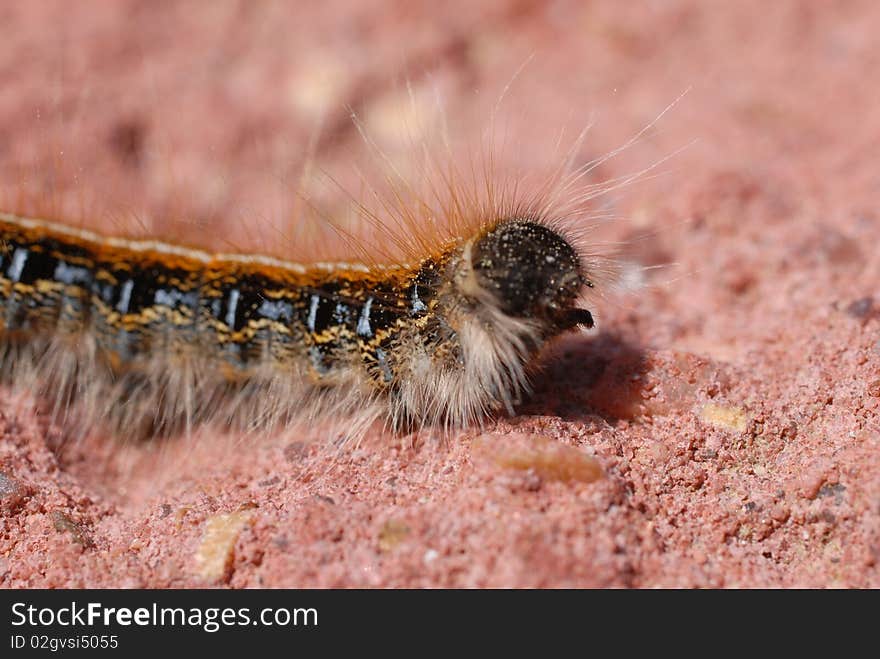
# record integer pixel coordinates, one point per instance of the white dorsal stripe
(187, 252)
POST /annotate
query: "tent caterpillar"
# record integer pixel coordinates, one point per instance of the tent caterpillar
(443, 341)
(151, 338)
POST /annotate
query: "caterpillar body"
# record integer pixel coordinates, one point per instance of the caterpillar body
(151, 338)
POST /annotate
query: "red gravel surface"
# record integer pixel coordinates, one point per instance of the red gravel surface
(729, 408)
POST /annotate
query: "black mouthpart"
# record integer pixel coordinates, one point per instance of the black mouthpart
(575, 317)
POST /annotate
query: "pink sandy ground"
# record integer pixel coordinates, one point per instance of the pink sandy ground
(731, 405)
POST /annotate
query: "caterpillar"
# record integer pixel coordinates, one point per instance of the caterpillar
(148, 338)
(169, 331)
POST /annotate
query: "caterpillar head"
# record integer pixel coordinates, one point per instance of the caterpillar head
(533, 273)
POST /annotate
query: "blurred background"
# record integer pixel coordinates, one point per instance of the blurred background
(208, 105)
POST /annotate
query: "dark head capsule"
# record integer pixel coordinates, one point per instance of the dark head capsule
(533, 272)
